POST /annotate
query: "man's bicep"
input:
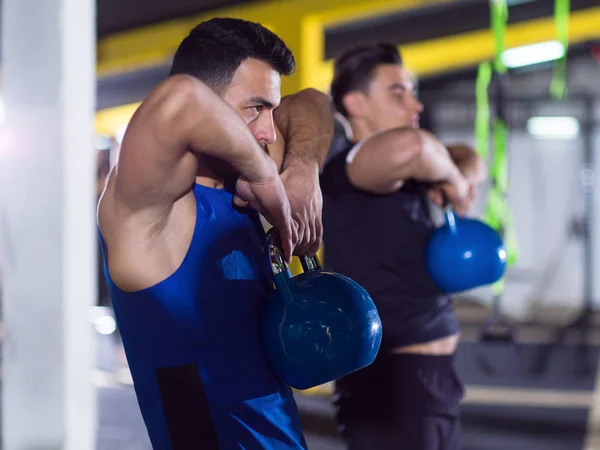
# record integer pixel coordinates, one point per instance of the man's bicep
(154, 166)
(367, 169)
(382, 163)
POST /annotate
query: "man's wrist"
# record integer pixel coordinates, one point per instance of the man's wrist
(264, 169)
(458, 179)
(300, 164)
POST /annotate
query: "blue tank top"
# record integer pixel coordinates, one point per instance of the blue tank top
(192, 341)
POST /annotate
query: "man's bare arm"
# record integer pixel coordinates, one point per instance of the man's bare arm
(387, 159)
(179, 121)
(305, 124)
(469, 162)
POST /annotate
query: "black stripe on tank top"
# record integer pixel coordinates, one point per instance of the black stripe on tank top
(186, 408)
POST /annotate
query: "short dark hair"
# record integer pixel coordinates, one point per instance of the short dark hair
(214, 50)
(353, 69)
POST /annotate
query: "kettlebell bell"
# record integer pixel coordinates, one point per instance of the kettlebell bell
(464, 254)
(317, 326)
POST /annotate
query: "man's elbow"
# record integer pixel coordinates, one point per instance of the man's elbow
(182, 99)
(312, 98)
(179, 87)
(314, 95)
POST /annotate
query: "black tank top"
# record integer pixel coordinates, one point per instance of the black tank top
(379, 241)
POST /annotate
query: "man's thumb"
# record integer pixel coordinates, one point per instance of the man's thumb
(239, 202)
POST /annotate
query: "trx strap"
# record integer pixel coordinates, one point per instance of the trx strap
(497, 214)
(499, 19)
(482, 117)
(561, 26)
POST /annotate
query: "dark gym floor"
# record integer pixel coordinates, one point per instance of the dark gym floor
(513, 407)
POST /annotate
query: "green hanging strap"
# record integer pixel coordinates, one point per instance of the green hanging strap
(561, 24)
(498, 214)
(482, 115)
(499, 19)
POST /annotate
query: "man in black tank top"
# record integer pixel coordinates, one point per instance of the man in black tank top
(376, 224)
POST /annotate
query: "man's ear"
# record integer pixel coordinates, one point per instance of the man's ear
(355, 103)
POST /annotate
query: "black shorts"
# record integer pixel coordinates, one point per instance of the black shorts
(401, 401)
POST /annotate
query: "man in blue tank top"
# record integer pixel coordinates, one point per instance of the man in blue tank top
(376, 225)
(208, 150)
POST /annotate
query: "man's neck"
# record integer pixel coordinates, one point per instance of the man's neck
(360, 130)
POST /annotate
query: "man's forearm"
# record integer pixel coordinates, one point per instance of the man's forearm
(306, 121)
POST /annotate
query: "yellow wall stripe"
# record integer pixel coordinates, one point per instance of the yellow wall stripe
(305, 35)
(469, 49)
(109, 120)
(155, 44)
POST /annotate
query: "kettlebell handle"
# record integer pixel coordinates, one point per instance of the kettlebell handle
(310, 263)
(278, 264)
(448, 212)
(445, 201)
(282, 276)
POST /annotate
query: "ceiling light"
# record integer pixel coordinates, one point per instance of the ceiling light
(553, 127)
(528, 55)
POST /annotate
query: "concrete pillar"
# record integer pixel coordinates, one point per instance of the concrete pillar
(47, 195)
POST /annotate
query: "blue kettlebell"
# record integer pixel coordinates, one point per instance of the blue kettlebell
(317, 326)
(464, 254)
